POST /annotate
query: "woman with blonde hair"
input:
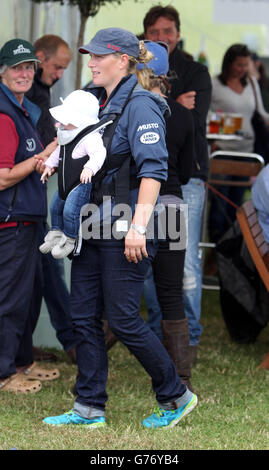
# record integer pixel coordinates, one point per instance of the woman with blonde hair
(108, 275)
(168, 264)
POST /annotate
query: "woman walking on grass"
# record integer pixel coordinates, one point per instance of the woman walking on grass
(108, 275)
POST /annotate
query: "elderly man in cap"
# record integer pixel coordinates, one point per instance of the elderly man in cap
(22, 208)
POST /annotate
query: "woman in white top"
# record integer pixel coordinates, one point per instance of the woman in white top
(232, 92)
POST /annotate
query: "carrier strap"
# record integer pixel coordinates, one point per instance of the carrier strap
(69, 169)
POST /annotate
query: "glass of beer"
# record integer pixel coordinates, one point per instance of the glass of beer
(238, 120)
(232, 123)
(215, 123)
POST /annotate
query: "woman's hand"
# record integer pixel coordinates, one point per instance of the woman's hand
(135, 246)
(86, 175)
(40, 165)
(44, 155)
(135, 243)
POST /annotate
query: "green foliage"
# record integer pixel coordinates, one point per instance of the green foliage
(87, 7)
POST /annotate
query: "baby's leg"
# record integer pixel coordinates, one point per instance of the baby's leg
(54, 235)
(77, 198)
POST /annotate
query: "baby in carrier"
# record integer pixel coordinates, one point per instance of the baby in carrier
(79, 155)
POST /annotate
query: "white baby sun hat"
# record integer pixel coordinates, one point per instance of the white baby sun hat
(77, 108)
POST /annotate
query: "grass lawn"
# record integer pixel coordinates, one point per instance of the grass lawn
(232, 412)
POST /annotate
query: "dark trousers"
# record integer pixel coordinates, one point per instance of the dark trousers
(168, 270)
(18, 259)
(101, 279)
(50, 284)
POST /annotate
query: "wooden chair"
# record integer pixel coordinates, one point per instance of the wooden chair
(228, 164)
(234, 164)
(254, 239)
(257, 246)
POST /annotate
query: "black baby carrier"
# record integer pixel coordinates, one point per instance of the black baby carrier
(121, 181)
(69, 169)
(117, 168)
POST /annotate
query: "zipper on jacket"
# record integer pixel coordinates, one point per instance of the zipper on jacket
(63, 168)
(13, 200)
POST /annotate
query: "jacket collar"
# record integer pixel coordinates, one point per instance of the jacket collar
(120, 94)
(122, 90)
(27, 106)
(38, 79)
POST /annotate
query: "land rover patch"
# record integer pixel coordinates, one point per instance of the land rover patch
(149, 138)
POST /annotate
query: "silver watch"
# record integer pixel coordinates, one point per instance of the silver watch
(139, 229)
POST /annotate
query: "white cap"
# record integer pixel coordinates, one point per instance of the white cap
(79, 107)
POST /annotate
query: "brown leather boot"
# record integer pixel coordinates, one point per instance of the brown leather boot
(176, 342)
(265, 363)
(110, 338)
(193, 352)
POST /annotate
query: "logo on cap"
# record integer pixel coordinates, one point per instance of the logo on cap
(21, 50)
(113, 47)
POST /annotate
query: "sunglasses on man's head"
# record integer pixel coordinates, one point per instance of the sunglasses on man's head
(161, 43)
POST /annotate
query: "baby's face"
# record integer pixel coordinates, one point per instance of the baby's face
(68, 127)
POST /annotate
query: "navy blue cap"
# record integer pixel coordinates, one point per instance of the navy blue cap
(160, 62)
(112, 40)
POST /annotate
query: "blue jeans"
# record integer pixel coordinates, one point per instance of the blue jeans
(65, 215)
(193, 195)
(103, 280)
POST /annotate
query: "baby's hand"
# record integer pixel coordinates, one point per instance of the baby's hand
(46, 173)
(86, 176)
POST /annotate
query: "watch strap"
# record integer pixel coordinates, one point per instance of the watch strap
(139, 229)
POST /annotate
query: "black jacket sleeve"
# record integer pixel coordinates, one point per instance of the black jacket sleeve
(40, 95)
(180, 145)
(193, 76)
(187, 154)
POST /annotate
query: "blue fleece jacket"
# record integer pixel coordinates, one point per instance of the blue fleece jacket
(27, 199)
(141, 128)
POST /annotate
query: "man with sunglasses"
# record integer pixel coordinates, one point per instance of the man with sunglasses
(192, 89)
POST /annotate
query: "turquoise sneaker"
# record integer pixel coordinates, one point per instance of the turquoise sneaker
(169, 418)
(73, 418)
